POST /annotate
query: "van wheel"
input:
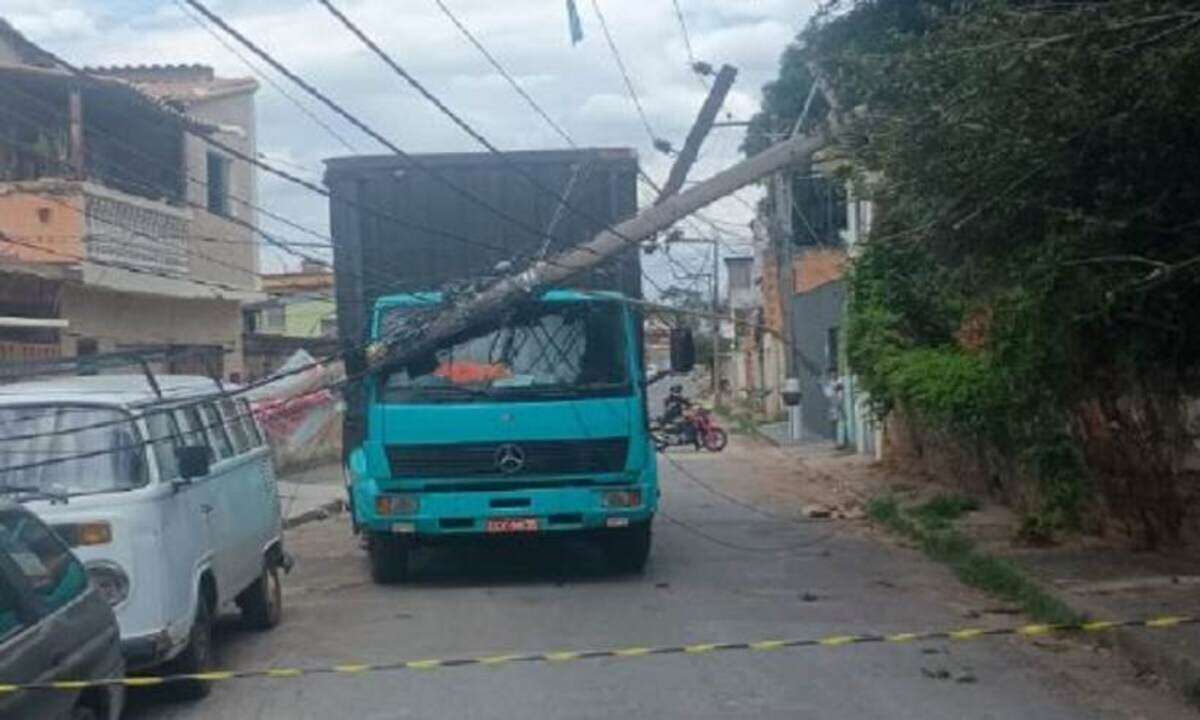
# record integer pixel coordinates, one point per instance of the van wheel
(389, 558)
(197, 657)
(627, 549)
(262, 602)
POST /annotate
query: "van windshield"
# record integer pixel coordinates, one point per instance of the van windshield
(42, 447)
(542, 350)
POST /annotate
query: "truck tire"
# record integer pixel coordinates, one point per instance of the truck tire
(628, 549)
(262, 602)
(197, 657)
(389, 558)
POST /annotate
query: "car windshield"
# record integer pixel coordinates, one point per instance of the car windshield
(539, 351)
(70, 449)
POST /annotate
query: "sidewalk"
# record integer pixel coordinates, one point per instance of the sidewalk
(1098, 578)
(312, 494)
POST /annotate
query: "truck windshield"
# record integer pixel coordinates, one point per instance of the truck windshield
(41, 449)
(543, 350)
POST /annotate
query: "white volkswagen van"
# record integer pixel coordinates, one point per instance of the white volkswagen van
(167, 495)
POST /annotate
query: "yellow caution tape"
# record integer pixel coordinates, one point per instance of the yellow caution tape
(1032, 630)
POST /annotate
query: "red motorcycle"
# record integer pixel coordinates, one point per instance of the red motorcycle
(696, 427)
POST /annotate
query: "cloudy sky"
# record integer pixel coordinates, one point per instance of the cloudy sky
(580, 86)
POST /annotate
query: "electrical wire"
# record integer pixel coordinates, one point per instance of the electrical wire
(505, 74)
(562, 200)
(687, 44)
(269, 80)
(637, 102)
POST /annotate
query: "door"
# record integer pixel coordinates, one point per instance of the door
(187, 523)
(41, 583)
(244, 494)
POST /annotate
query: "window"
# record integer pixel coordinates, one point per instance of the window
(831, 350)
(10, 609)
(256, 438)
(539, 351)
(236, 426)
(56, 576)
(218, 184)
(93, 449)
(164, 439)
(219, 440)
(274, 319)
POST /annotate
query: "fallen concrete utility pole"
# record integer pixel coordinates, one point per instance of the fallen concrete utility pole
(555, 270)
(704, 122)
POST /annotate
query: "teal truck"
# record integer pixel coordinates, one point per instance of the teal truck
(532, 423)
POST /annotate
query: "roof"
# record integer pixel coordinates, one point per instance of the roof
(123, 390)
(26, 50)
(182, 84)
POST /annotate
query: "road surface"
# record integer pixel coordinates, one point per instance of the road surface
(719, 572)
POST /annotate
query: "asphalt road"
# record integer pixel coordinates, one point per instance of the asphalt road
(718, 572)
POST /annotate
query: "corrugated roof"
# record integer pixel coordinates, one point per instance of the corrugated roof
(184, 84)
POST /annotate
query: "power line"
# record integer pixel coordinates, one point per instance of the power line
(687, 44)
(562, 200)
(357, 122)
(637, 103)
(505, 74)
(269, 80)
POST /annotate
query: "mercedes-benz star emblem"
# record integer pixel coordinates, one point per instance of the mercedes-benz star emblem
(510, 458)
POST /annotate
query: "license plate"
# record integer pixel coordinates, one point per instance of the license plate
(512, 525)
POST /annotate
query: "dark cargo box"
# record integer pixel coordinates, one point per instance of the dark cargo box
(375, 255)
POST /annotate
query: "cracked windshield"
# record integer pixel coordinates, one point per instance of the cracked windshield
(753, 359)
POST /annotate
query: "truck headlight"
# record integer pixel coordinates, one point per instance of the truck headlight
(387, 505)
(110, 580)
(622, 498)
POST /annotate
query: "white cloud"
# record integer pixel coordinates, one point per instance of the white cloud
(579, 86)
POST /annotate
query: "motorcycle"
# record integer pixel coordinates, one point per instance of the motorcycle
(697, 427)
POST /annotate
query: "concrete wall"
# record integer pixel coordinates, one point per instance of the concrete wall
(813, 314)
(237, 246)
(118, 320)
(44, 221)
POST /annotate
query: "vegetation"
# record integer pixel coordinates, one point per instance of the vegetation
(1031, 276)
(931, 526)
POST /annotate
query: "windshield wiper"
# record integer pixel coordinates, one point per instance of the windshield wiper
(34, 491)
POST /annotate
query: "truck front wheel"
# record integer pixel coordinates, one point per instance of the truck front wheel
(389, 557)
(627, 549)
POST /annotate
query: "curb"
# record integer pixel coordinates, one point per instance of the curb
(1179, 669)
(321, 512)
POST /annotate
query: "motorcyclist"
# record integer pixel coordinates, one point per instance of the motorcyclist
(674, 406)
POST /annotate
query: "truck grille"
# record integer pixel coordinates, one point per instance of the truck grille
(540, 457)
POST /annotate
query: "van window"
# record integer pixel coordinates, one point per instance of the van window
(164, 439)
(56, 576)
(256, 438)
(236, 426)
(216, 431)
(71, 449)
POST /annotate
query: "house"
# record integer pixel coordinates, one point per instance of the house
(804, 238)
(121, 231)
(299, 314)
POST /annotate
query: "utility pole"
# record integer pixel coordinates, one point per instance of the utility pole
(608, 243)
(715, 310)
(695, 138)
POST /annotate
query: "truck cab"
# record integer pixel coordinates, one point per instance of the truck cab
(531, 423)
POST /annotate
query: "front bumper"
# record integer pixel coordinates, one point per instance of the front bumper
(147, 650)
(560, 509)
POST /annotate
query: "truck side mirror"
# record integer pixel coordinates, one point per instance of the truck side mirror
(192, 461)
(683, 350)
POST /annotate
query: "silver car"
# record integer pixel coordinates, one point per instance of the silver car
(54, 625)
